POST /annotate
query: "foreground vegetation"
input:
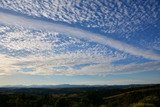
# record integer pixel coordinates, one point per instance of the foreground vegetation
(115, 96)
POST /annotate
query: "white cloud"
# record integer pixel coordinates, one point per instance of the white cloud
(6, 65)
(43, 38)
(10, 19)
(107, 68)
(22, 39)
(42, 65)
(107, 16)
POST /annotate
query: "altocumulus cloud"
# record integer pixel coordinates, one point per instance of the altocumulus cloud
(10, 19)
(110, 16)
(34, 46)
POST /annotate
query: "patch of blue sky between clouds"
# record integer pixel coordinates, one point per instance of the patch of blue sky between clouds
(131, 60)
(147, 39)
(26, 70)
(15, 53)
(80, 66)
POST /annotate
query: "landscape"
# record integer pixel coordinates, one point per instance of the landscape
(81, 96)
(79, 53)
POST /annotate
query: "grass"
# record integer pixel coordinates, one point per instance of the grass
(142, 105)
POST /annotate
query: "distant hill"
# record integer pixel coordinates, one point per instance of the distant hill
(73, 86)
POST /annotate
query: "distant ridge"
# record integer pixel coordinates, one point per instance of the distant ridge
(74, 86)
(50, 86)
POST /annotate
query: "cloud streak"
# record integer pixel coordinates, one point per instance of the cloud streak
(33, 23)
(106, 68)
(42, 65)
(63, 65)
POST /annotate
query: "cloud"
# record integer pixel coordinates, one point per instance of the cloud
(32, 23)
(46, 65)
(107, 68)
(23, 39)
(107, 16)
(6, 65)
(38, 46)
(64, 64)
(63, 52)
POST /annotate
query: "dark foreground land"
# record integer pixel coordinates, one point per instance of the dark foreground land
(81, 96)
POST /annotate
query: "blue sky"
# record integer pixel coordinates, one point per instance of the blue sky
(79, 42)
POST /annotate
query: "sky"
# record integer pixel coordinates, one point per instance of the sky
(87, 42)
